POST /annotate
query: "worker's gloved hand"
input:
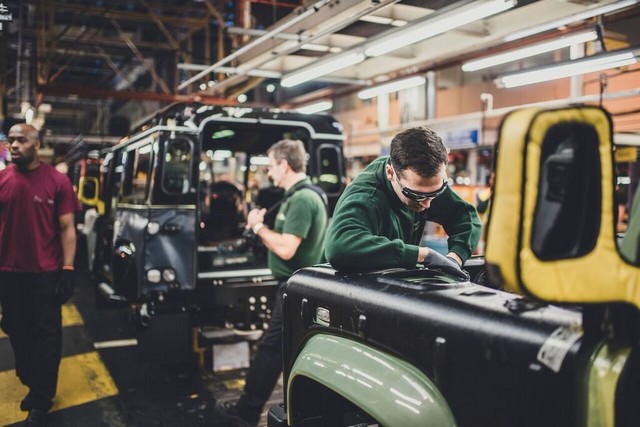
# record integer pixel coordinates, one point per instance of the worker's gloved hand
(446, 264)
(65, 286)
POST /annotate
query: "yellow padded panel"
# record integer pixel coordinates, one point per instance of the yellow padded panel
(507, 196)
(601, 275)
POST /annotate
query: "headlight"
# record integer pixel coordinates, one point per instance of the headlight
(153, 276)
(153, 228)
(169, 275)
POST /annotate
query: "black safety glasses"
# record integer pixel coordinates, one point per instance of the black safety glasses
(419, 196)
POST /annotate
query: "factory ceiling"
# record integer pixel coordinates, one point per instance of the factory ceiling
(94, 68)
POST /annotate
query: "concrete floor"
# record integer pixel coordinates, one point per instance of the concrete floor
(118, 386)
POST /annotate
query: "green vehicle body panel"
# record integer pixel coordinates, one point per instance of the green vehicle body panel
(389, 389)
(605, 368)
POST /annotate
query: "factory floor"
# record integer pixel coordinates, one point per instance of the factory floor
(106, 380)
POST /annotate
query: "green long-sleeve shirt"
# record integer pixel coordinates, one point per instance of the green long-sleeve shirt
(372, 229)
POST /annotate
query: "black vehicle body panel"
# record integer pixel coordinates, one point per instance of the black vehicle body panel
(471, 341)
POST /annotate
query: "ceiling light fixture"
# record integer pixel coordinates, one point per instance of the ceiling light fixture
(528, 51)
(391, 87)
(567, 69)
(438, 23)
(581, 16)
(376, 19)
(315, 47)
(321, 68)
(435, 24)
(315, 107)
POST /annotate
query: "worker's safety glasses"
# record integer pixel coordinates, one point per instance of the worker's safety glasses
(419, 196)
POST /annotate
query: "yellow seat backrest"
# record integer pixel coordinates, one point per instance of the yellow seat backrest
(551, 231)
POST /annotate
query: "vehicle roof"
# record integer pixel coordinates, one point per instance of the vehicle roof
(186, 114)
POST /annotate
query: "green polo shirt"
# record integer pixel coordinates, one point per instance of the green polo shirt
(302, 214)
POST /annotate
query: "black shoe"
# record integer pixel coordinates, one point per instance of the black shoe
(25, 405)
(230, 412)
(36, 418)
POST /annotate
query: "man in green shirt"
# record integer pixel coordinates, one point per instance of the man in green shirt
(379, 219)
(294, 242)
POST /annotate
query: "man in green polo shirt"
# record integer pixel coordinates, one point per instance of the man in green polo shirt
(379, 219)
(295, 242)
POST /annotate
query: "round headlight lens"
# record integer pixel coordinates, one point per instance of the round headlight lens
(153, 276)
(153, 228)
(169, 275)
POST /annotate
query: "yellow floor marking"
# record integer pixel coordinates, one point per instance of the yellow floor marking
(83, 378)
(70, 317)
(234, 384)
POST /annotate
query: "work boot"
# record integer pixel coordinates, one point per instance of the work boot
(231, 412)
(25, 404)
(36, 418)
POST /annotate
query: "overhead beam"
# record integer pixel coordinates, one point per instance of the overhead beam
(156, 78)
(93, 92)
(174, 44)
(104, 41)
(300, 17)
(126, 16)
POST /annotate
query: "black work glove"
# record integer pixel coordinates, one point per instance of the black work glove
(65, 285)
(445, 264)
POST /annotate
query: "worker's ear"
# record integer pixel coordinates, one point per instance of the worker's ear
(390, 172)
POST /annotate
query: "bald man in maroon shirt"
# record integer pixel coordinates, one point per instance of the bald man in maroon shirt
(37, 249)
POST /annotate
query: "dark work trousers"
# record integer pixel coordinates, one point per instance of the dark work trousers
(31, 318)
(266, 366)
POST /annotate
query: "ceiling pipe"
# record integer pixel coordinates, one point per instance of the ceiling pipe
(313, 9)
(89, 92)
(439, 64)
(275, 55)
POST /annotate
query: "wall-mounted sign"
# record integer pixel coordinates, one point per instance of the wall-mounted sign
(458, 134)
(5, 15)
(460, 138)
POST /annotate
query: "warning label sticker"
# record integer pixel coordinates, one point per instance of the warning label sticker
(557, 345)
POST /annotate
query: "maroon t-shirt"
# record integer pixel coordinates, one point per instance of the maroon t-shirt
(31, 204)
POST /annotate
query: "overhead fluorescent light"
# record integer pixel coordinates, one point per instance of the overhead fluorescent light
(320, 48)
(567, 69)
(438, 24)
(254, 72)
(321, 68)
(267, 74)
(391, 87)
(528, 51)
(316, 107)
(376, 19)
(315, 47)
(581, 16)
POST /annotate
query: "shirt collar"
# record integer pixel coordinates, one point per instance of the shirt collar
(295, 186)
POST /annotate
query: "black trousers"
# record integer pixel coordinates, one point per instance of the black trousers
(31, 318)
(266, 366)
